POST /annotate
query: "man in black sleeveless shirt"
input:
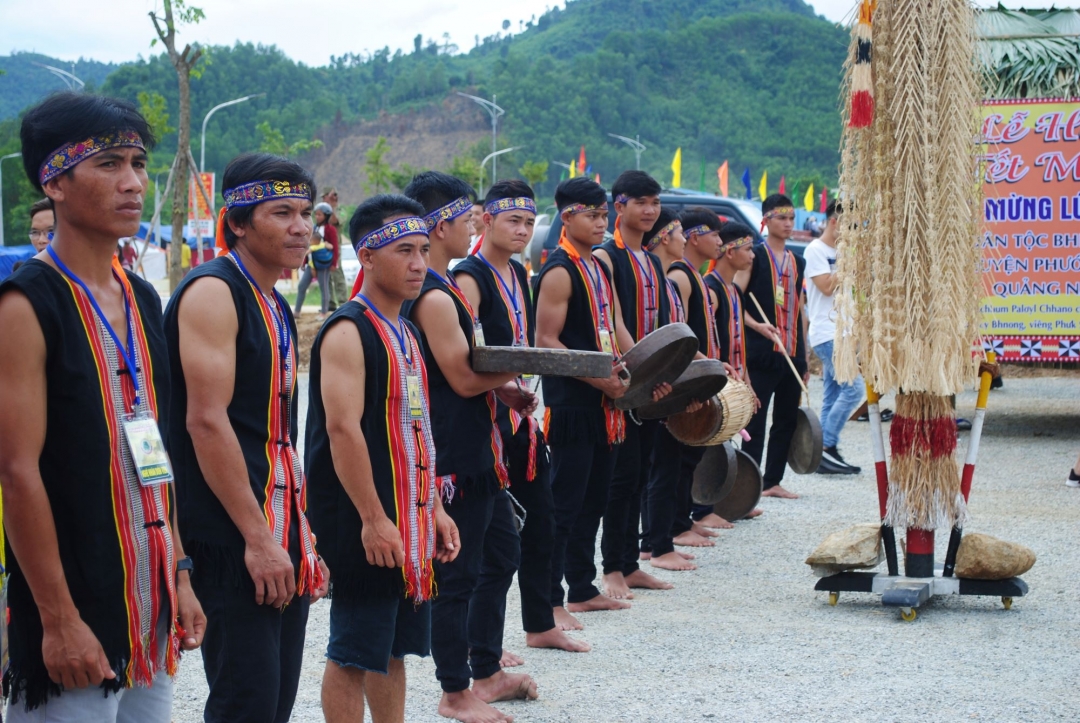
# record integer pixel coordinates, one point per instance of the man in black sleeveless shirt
(639, 281)
(577, 308)
(241, 488)
(99, 593)
(776, 281)
(468, 616)
(373, 470)
(497, 286)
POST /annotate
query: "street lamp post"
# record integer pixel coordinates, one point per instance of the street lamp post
(70, 79)
(494, 111)
(2, 159)
(215, 109)
(634, 143)
(491, 157)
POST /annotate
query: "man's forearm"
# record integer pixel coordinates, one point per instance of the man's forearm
(31, 530)
(352, 461)
(222, 463)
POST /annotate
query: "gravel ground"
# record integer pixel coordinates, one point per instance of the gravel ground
(746, 638)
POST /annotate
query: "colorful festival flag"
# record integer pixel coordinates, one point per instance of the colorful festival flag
(676, 169)
(722, 176)
(746, 182)
(573, 168)
(763, 187)
(808, 202)
(581, 164)
(782, 183)
(824, 199)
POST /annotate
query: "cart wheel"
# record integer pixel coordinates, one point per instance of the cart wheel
(907, 614)
(834, 597)
(1007, 602)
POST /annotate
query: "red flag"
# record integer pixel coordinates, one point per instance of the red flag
(782, 184)
(581, 162)
(722, 176)
(598, 178)
(824, 199)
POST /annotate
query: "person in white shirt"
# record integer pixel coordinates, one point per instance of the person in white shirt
(840, 399)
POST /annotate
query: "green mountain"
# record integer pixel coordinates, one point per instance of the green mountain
(25, 81)
(754, 82)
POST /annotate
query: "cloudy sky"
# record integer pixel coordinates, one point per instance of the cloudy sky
(310, 32)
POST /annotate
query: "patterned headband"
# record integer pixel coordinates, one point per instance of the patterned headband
(737, 243)
(256, 192)
(510, 204)
(699, 230)
(448, 212)
(779, 211)
(622, 198)
(70, 155)
(664, 233)
(393, 231)
(575, 208)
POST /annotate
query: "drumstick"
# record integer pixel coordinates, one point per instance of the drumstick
(782, 348)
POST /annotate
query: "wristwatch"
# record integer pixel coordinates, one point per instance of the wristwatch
(185, 564)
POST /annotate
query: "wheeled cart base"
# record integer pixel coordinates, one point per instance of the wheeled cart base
(910, 593)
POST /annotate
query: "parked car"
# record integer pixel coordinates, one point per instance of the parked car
(350, 265)
(736, 209)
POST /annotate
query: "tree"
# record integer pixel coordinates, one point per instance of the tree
(178, 13)
(376, 167)
(401, 178)
(466, 168)
(273, 141)
(534, 172)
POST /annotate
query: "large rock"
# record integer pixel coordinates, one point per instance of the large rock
(857, 547)
(982, 557)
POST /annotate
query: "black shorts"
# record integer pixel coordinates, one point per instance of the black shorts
(366, 634)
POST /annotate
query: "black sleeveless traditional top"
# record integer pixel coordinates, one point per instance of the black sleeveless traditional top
(263, 415)
(402, 456)
(507, 323)
(764, 278)
(699, 314)
(729, 321)
(641, 288)
(467, 439)
(113, 534)
(577, 413)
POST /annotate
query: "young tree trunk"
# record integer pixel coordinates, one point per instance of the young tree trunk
(183, 176)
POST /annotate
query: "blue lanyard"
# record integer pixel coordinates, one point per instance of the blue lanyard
(650, 282)
(128, 354)
(511, 293)
(601, 298)
(781, 271)
(281, 330)
(399, 332)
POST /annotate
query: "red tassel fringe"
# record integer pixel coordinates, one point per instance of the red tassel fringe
(913, 437)
(862, 109)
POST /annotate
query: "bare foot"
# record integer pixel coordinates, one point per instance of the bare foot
(615, 586)
(686, 555)
(756, 512)
(566, 621)
(645, 581)
(509, 660)
(467, 707)
(644, 556)
(505, 686)
(703, 530)
(600, 602)
(778, 491)
(672, 561)
(556, 639)
(716, 522)
(693, 539)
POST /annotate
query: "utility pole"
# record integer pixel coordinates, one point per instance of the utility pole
(494, 111)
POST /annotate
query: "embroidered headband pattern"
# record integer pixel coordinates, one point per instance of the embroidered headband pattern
(408, 226)
(699, 230)
(510, 204)
(256, 192)
(70, 155)
(575, 208)
(664, 233)
(448, 212)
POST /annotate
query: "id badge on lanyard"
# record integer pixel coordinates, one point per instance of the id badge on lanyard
(778, 295)
(416, 405)
(605, 341)
(478, 334)
(147, 449)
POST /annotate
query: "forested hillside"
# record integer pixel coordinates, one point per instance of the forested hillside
(750, 81)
